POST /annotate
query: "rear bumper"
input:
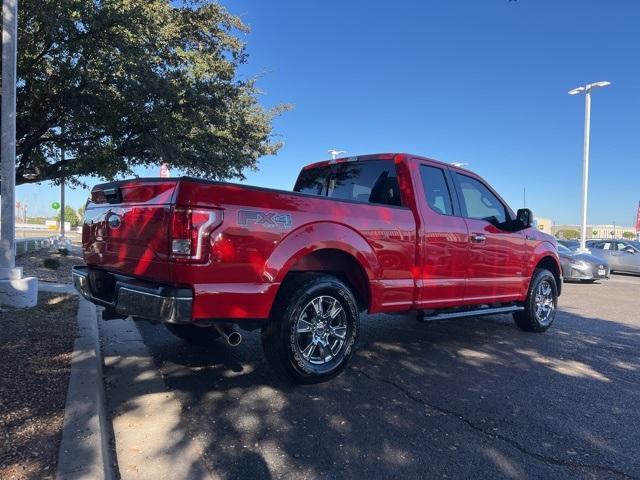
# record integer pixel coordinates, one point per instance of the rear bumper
(128, 296)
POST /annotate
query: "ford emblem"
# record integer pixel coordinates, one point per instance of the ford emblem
(114, 221)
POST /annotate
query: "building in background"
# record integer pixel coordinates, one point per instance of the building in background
(612, 231)
(595, 231)
(543, 224)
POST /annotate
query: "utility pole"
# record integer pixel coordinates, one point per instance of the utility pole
(62, 206)
(62, 201)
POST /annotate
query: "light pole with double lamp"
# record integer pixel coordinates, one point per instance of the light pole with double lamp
(585, 159)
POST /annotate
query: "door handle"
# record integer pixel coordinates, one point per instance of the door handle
(478, 238)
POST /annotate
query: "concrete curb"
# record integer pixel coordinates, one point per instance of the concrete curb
(54, 287)
(84, 451)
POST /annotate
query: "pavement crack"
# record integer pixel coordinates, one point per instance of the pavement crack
(492, 434)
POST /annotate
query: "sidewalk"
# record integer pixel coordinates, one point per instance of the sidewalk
(152, 441)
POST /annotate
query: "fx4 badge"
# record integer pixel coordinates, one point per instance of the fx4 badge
(266, 219)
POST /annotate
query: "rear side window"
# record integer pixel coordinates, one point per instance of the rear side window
(372, 181)
(479, 202)
(436, 190)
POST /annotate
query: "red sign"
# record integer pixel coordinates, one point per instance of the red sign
(164, 170)
(638, 219)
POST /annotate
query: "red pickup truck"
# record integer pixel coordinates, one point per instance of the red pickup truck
(375, 233)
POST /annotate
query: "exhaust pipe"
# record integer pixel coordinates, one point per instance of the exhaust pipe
(232, 336)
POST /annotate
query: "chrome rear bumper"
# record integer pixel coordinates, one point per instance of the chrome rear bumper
(126, 296)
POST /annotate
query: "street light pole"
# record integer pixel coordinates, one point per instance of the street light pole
(585, 157)
(334, 153)
(585, 168)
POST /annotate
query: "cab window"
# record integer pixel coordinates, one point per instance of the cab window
(312, 181)
(479, 202)
(436, 190)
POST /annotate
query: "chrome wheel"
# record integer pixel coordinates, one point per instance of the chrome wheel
(545, 302)
(321, 330)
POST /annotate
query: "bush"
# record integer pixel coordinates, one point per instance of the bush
(568, 234)
(63, 251)
(51, 263)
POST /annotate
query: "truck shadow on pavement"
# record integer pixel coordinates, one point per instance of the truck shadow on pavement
(473, 397)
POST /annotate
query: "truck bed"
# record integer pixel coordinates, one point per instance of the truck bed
(261, 234)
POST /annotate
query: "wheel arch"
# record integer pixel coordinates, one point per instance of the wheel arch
(327, 248)
(551, 263)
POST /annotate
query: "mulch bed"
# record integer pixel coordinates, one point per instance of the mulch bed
(33, 265)
(35, 360)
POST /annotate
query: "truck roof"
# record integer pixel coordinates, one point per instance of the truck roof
(381, 156)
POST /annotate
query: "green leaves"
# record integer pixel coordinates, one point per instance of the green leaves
(125, 83)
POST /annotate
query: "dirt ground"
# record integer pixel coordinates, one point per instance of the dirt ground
(35, 348)
(33, 265)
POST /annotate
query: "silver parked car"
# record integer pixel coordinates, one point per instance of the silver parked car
(621, 255)
(581, 266)
(572, 245)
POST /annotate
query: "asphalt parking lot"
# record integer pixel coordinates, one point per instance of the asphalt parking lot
(455, 399)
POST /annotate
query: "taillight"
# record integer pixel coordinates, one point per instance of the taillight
(190, 229)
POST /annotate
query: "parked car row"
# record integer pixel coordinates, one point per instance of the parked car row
(622, 255)
(584, 267)
(602, 258)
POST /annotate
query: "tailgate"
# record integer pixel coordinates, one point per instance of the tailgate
(126, 228)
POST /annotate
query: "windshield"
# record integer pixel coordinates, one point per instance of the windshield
(631, 246)
(563, 249)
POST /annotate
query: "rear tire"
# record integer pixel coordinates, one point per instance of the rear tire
(541, 303)
(193, 334)
(313, 329)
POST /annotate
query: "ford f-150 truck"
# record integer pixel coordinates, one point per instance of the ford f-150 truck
(376, 233)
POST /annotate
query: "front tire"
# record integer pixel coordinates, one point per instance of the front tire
(313, 329)
(541, 303)
(192, 333)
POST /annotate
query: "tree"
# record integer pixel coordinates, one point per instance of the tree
(628, 235)
(70, 216)
(126, 83)
(568, 234)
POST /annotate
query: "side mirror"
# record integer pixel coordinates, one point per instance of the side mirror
(630, 250)
(524, 217)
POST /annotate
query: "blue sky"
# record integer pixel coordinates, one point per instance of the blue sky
(481, 82)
